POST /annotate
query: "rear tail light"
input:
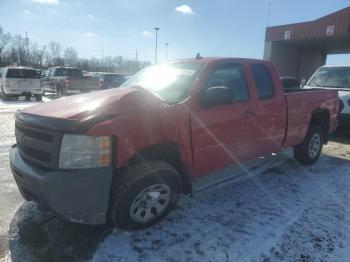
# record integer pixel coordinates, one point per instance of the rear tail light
(66, 83)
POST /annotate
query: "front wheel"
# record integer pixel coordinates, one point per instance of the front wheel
(147, 193)
(310, 150)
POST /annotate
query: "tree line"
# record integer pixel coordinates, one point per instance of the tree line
(18, 50)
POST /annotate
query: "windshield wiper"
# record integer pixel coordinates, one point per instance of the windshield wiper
(339, 87)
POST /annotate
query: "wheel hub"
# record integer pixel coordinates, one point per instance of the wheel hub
(314, 145)
(150, 203)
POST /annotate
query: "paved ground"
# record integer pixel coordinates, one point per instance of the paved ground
(289, 212)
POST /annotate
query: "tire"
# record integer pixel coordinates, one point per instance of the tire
(27, 97)
(133, 206)
(39, 97)
(310, 150)
(5, 97)
(59, 90)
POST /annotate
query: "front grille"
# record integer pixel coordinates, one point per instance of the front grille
(38, 145)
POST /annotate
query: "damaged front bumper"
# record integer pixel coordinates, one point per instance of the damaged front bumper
(80, 196)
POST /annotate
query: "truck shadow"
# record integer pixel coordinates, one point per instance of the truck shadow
(225, 222)
(41, 236)
(341, 136)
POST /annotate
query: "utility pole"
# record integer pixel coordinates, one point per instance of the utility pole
(102, 59)
(166, 51)
(155, 55)
(27, 43)
(137, 62)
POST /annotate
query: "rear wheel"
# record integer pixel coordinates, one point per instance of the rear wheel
(27, 97)
(147, 192)
(39, 97)
(310, 150)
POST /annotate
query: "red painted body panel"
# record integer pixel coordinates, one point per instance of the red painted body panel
(300, 111)
(208, 138)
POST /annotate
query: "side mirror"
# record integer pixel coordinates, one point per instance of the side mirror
(218, 95)
(302, 82)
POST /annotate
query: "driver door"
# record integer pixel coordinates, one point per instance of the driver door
(224, 134)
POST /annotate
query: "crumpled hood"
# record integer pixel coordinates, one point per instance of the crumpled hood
(109, 102)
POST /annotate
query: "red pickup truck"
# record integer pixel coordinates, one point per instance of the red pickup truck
(125, 155)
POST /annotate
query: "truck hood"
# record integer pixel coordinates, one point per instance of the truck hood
(109, 102)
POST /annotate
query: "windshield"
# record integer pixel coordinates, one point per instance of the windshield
(170, 81)
(22, 73)
(333, 77)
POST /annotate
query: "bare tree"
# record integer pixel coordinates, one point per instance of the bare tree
(41, 55)
(16, 49)
(5, 39)
(20, 48)
(70, 56)
(37, 55)
(55, 52)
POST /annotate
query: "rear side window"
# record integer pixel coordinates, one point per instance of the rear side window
(68, 72)
(22, 73)
(263, 81)
(231, 76)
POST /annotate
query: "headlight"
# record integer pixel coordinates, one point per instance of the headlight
(78, 151)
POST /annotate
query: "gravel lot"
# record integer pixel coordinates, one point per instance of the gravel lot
(288, 212)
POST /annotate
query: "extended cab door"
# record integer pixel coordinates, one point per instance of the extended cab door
(271, 108)
(223, 134)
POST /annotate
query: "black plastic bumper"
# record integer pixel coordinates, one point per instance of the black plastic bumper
(80, 196)
(344, 121)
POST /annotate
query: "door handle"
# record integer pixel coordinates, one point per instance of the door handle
(248, 114)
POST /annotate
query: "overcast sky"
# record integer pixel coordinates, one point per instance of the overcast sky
(213, 28)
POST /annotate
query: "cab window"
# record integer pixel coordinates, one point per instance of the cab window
(231, 76)
(263, 81)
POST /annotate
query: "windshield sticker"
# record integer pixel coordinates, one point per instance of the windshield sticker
(185, 72)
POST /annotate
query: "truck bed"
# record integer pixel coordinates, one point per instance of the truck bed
(300, 105)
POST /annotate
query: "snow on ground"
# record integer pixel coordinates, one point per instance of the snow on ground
(20, 103)
(288, 213)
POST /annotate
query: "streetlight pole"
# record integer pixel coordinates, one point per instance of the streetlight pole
(155, 55)
(166, 51)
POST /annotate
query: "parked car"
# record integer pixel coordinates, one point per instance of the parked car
(125, 155)
(335, 77)
(20, 81)
(110, 80)
(290, 83)
(67, 80)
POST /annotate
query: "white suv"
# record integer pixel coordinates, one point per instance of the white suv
(335, 77)
(20, 81)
